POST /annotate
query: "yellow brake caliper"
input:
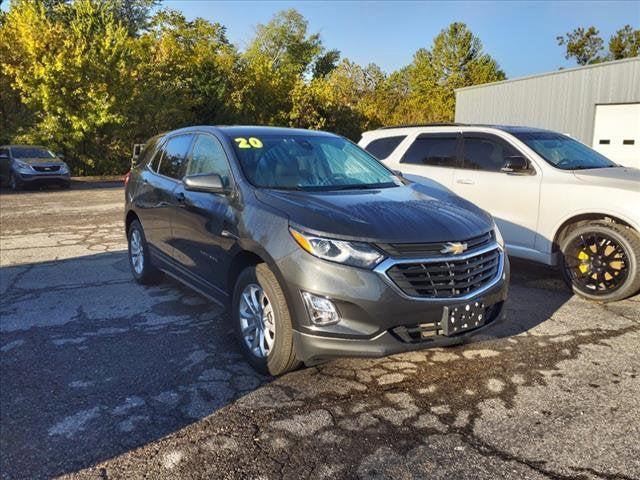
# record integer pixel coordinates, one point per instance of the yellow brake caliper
(584, 257)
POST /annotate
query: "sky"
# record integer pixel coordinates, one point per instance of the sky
(521, 36)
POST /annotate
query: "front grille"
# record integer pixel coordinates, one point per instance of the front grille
(47, 168)
(446, 278)
(412, 250)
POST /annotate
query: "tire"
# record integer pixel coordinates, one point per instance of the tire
(280, 357)
(145, 273)
(601, 246)
(14, 183)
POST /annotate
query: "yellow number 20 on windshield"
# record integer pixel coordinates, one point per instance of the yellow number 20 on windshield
(253, 142)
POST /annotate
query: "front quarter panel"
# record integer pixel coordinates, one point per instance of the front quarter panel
(563, 197)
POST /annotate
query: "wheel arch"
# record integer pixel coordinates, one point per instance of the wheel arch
(581, 219)
(130, 217)
(242, 260)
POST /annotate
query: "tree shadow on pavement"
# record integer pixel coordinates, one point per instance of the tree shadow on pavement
(93, 365)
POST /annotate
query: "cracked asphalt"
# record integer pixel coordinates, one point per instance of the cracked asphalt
(102, 378)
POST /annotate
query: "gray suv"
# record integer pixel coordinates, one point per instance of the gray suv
(31, 165)
(318, 249)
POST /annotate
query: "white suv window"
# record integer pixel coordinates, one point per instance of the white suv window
(381, 148)
(484, 153)
(435, 150)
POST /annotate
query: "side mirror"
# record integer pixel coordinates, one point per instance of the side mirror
(515, 164)
(208, 182)
(398, 173)
(60, 156)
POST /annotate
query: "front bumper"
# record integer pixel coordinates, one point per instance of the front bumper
(42, 178)
(375, 314)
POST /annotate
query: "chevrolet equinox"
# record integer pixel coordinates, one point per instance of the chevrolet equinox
(318, 249)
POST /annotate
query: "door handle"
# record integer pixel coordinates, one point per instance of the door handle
(465, 181)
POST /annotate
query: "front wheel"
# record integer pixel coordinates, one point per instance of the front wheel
(601, 261)
(14, 183)
(262, 321)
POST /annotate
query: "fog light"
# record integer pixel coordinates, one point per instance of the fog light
(321, 310)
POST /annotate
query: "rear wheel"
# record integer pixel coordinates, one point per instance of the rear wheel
(139, 258)
(601, 261)
(262, 321)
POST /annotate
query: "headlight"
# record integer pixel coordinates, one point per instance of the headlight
(25, 167)
(356, 254)
(498, 235)
(64, 168)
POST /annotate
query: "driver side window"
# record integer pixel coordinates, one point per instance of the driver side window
(486, 154)
(208, 157)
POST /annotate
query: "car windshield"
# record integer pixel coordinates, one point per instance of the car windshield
(310, 162)
(564, 152)
(31, 152)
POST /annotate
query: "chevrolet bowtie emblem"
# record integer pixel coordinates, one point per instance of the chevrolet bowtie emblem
(454, 247)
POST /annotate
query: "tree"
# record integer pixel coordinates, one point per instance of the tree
(625, 43)
(184, 73)
(284, 41)
(73, 77)
(583, 45)
(326, 63)
(91, 77)
(455, 60)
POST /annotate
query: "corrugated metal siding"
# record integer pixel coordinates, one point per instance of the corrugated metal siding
(563, 101)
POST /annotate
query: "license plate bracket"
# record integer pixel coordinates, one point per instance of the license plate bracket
(462, 318)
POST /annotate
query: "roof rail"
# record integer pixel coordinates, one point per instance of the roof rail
(434, 124)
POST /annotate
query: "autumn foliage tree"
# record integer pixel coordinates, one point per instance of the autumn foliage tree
(89, 78)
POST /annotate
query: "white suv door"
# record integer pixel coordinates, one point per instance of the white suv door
(431, 155)
(512, 198)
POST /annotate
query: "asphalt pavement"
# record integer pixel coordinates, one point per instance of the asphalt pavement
(102, 378)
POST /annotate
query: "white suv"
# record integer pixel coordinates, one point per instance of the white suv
(555, 200)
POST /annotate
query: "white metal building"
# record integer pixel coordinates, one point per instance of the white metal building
(596, 104)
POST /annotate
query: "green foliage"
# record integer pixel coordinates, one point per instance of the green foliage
(456, 60)
(583, 45)
(625, 43)
(586, 46)
(72, 76)
(89, 78)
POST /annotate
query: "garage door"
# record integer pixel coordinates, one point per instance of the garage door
(616, 133)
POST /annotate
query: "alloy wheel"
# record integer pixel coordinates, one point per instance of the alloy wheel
(597, 263)
(257, 322)
(136, 252)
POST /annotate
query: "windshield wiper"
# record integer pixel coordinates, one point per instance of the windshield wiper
(361, 186)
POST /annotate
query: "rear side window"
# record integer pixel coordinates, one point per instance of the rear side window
(153, 164)
(175, 153)
(438, 151)
(148, 151)
(486, 154)
(381, 148)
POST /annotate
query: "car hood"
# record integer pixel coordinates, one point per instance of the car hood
(617, 177)
(410, 213)
(41, 161)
